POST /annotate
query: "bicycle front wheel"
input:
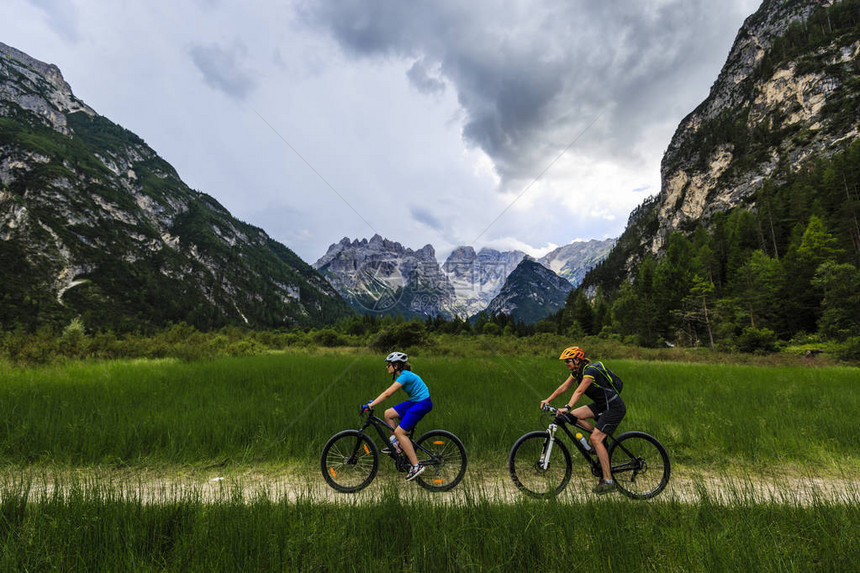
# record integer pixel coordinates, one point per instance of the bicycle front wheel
(640, 465)
(526, 465)
(445, 464)
(349, 461)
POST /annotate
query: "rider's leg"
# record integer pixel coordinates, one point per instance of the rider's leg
(599, 443)
(392, 417)
(606, 423)
(406, 444)
(581, 414)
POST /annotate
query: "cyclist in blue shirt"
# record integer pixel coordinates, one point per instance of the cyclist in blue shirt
(409, 412)
(607, 408)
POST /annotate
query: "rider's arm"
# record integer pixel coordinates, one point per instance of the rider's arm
(580, 390)
(560, 390)
(386, 394)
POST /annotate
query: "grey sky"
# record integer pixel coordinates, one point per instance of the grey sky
(422, 121)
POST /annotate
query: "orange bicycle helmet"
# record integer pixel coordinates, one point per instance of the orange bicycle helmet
(574, 352)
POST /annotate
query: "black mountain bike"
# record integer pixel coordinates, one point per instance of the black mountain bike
(540, 463)
(350, 459)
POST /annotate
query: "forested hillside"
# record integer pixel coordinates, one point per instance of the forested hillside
(788, 268)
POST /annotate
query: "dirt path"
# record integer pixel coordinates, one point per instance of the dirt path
(154, 486)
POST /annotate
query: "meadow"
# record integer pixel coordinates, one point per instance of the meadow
(273, 412)
(279, 409)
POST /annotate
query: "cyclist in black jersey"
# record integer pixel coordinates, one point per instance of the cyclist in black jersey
(607, 407)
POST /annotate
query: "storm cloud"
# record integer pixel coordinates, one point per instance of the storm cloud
(222, 69)
(506, 124)
(61, 16)
(531, 76)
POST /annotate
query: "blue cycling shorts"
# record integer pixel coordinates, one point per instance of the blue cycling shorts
(411, 412)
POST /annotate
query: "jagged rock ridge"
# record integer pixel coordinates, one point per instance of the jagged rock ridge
(382, 276)
(379, 275)
(478, 277)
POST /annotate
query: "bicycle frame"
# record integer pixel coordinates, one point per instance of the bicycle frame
(381, 425)
(589, 456)
(638, 461)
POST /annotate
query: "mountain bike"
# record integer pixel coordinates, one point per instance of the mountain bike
(540, 463)
(350, 459)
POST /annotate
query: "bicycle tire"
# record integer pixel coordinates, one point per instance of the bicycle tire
(646, 473)
(448, 463)
(349, 461)
(528, 476)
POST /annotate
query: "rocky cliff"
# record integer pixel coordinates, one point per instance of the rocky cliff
(93, 223)
(789, 91)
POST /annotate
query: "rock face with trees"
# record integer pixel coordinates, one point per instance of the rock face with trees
(787, 94)
(95, 226)
(754, 237)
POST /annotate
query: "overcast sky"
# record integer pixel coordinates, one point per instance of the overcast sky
(508, 124)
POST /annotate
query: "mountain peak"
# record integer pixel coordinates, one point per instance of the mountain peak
(39, 88)
(573, 261)
(530, 293)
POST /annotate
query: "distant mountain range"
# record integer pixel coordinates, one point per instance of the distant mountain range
(382, 276)
(94, 224)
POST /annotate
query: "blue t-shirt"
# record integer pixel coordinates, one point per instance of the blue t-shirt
(414, 386)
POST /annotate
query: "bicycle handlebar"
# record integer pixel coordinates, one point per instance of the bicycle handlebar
(554, 412)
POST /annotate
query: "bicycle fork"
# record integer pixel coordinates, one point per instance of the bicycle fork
(544, 459)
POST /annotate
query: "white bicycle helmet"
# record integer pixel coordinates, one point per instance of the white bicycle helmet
(396, 357)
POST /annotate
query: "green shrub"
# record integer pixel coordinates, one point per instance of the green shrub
(492, 329)
(73, 339)
(328, 337)
(848, 350)
(546, 327)
(757, 340)
(401, 335)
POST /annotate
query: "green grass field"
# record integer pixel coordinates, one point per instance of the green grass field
(280, 408)
(274, 412)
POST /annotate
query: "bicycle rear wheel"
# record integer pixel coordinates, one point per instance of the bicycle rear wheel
(526, 468)
(640, 465)
(349, 461)
(446, 463)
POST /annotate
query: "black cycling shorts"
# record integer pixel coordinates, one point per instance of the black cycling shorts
(607, 421)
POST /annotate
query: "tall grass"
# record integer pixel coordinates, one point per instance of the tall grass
(280, 408)
(86, 529)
